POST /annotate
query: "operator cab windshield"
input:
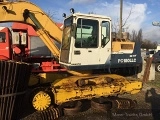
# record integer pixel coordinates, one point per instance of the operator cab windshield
(86, 33)
(67, 33)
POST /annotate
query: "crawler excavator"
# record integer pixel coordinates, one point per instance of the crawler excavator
(87, 52)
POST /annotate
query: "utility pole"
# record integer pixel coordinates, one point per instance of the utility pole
(120, 24)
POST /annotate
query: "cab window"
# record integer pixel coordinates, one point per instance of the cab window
(105, 33)
(86, 33)
(2, 37)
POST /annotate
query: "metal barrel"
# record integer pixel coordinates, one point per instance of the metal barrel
(14, 77)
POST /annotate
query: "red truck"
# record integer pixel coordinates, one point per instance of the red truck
(21, 43)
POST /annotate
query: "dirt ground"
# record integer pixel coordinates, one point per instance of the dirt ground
(148, 106)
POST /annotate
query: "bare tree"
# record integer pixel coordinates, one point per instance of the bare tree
(126, 19)
(133, 35)
(116, 25)
(147, 44)
(51, 14)
(137, 36)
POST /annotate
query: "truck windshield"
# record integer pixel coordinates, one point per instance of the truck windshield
(67, 33)
(86, 33)
(2, 37)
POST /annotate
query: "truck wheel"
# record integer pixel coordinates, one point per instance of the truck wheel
(73, 108)
(157, 68)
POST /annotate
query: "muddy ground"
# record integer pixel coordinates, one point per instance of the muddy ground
(148, 107)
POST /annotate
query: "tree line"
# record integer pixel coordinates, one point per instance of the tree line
(145, 43)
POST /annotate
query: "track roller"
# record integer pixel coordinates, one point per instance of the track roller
(72, 108)
(123, 103)
(101, 104)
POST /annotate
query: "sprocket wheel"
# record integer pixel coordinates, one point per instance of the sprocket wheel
(41, 101)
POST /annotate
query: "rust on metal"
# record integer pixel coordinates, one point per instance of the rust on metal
(147, 69)
(122, 103)
(86, 87)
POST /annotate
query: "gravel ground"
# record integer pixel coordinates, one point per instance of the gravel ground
(144, 109)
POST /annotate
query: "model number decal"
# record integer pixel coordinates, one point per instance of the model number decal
(129, 60)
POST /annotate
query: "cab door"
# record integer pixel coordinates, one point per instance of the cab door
(85, 50)
(105, 51)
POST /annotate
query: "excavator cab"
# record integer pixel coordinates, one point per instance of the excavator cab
(86, 42)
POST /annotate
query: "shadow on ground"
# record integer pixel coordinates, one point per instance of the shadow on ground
(153, 98)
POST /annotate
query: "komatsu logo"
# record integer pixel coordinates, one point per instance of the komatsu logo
(129, 60)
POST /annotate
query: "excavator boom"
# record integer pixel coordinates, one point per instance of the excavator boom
(27, 12)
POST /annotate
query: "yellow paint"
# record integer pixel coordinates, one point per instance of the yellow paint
(67, 89)
(41, 101)
(45, 78)
(51, 77)
(126, 45)
(80, 73)
(34, 79)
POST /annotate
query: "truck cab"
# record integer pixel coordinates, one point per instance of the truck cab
(13, 44)
(5, 43)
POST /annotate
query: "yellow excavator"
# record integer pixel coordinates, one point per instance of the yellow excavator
(87, 52)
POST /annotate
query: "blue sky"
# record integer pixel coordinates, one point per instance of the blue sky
(144, 12)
